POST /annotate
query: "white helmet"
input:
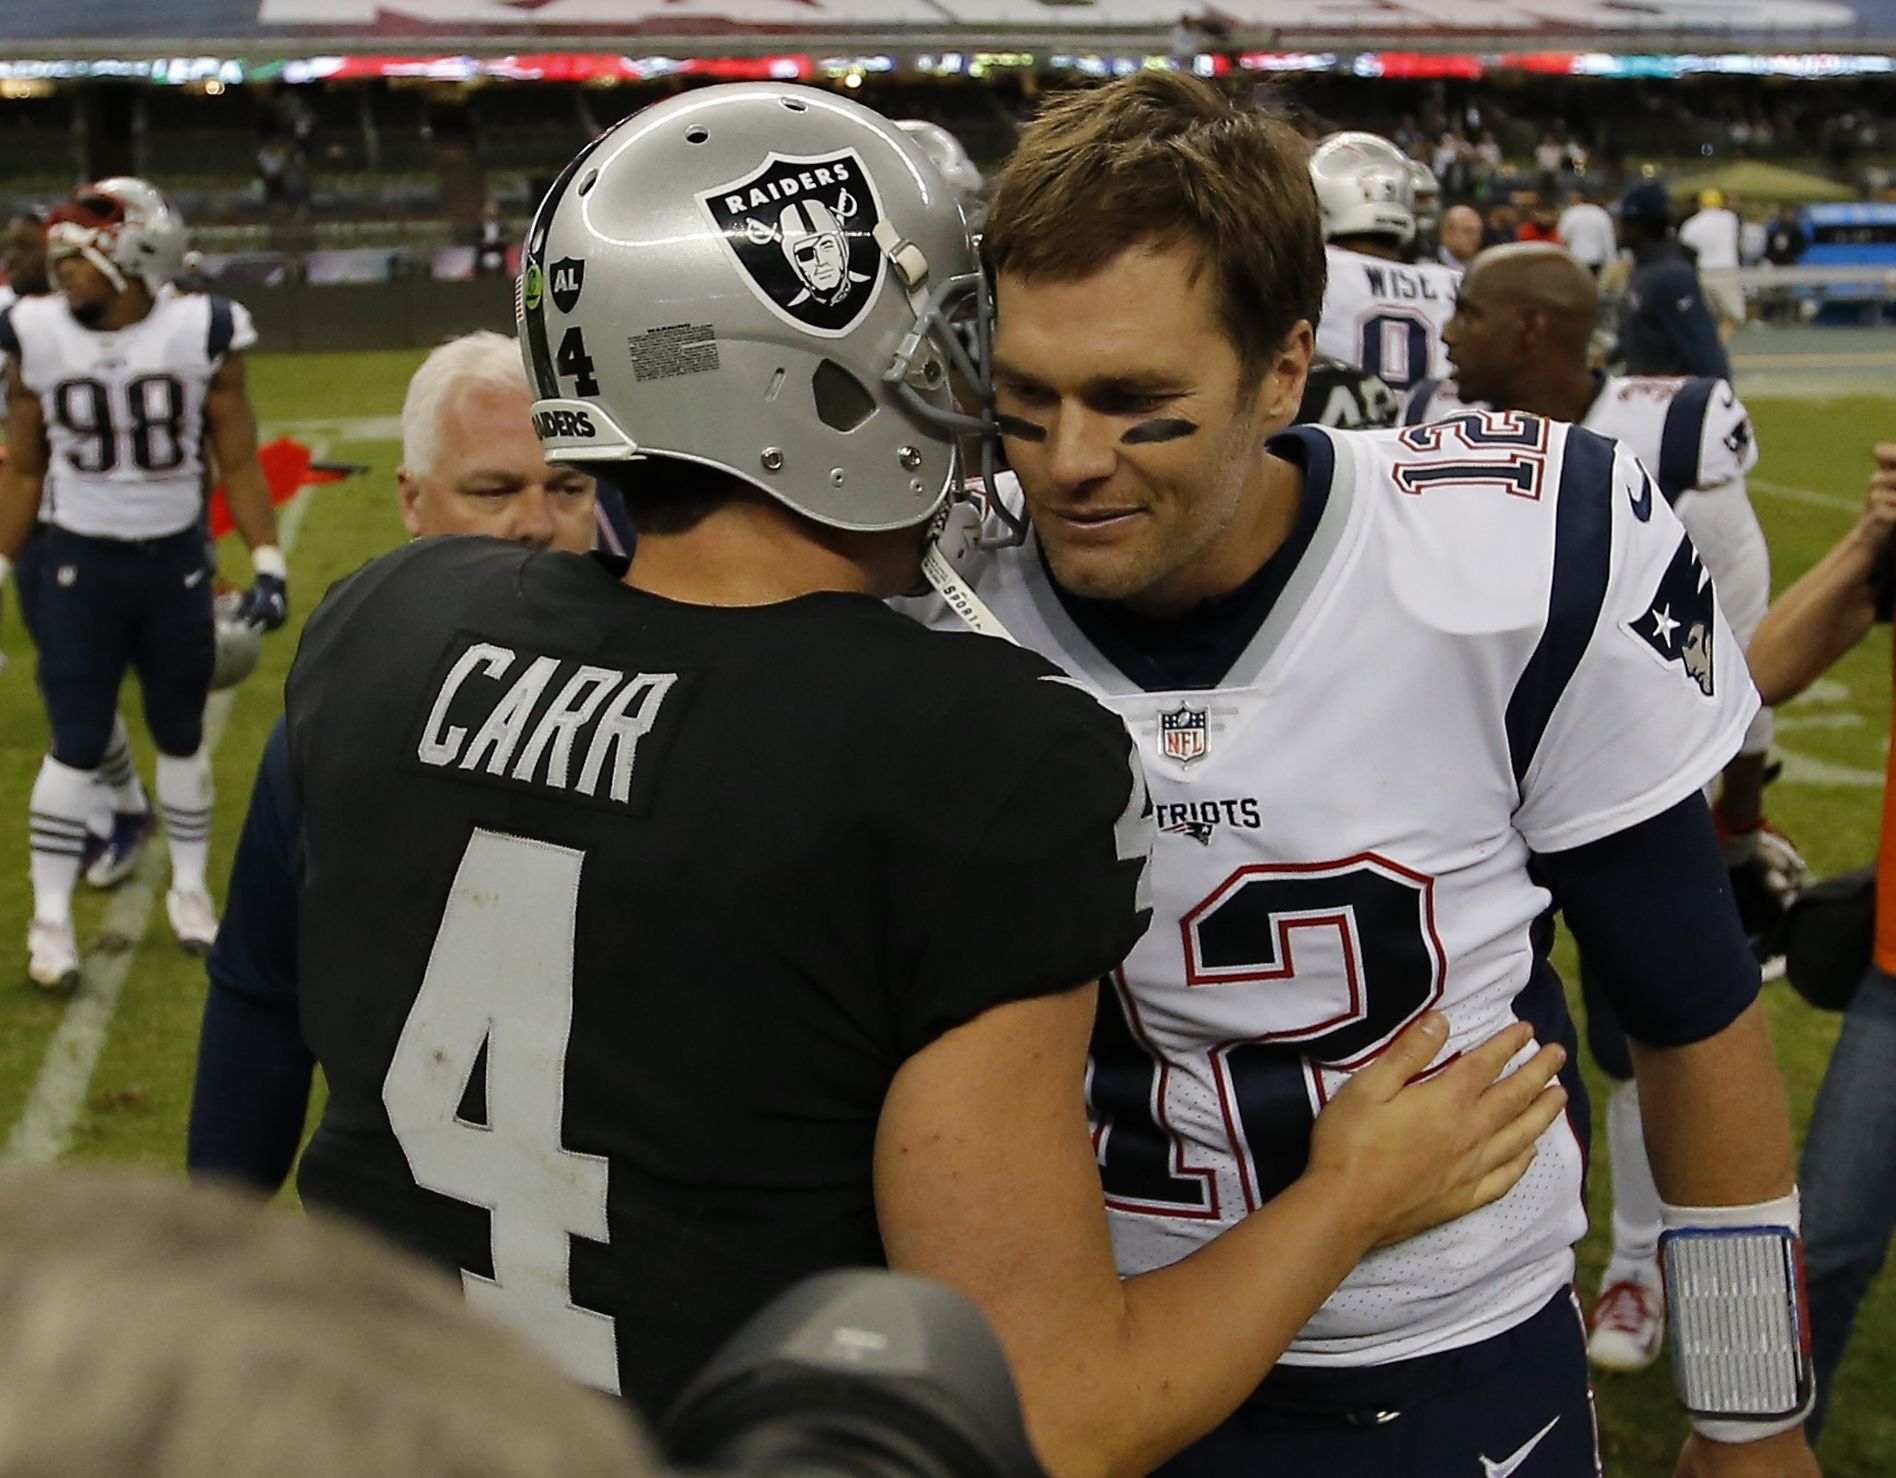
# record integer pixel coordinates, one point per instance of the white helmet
(946, 153)
(1364, 187)
(768, 280)
(127, 228)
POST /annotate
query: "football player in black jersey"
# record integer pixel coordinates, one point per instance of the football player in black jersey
(671, 933)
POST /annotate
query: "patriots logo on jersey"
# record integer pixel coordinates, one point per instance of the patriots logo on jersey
(1198, 831)
(1184, 734)
(1678, 624)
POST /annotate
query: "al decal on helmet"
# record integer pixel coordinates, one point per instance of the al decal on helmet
(803, 230)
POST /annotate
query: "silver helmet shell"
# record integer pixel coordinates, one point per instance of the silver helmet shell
(768, 280)
(239, 642)
(126, 227)
(1364, 187)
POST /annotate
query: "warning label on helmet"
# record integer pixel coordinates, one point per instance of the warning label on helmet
(676, 349)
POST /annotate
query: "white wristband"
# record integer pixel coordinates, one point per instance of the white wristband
(1783, 1212)
(1786, 1211)
(267, 559)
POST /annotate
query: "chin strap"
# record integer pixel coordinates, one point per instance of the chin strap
(954, 538)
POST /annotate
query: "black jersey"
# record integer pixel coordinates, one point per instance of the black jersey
(621, 914)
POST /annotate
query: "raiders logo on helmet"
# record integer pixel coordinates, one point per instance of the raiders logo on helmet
(803, 230)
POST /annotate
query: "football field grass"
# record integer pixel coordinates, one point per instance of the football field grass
(130, 1104)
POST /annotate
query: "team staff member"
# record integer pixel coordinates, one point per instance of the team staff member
(727, 926)
(1849, 1169)
(1666, 326)
(1395, 690)
(471, 464)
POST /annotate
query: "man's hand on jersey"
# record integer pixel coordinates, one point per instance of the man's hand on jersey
(266, 603)
(1419, 1153)
(1786, 1455)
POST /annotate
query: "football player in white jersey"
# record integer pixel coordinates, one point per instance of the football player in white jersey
(1518, 342)
(116, 383)
(1380, 311)
(121, 818)
(1396, 691)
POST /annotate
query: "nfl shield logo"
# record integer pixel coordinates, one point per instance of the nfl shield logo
(1182, 734)
(803, 231)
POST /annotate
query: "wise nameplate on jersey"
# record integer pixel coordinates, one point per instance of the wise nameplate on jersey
(803, 230)
(554, 725)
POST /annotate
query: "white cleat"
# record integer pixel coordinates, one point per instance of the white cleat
(52, 955)
(193, 919)
(1628, 1322)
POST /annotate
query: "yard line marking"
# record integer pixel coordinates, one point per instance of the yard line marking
(1802, 769)
(344, 428)
(1804, 495)
(1824, 690)
(1818, 721)
(44, 1130)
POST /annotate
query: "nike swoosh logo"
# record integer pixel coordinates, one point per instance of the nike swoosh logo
(192, 580)
(1642, 504)
(1685, 303)
(1511, 1464)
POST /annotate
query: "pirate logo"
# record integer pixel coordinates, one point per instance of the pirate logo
(803, 230)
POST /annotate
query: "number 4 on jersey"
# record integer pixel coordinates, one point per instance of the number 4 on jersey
(500, 978)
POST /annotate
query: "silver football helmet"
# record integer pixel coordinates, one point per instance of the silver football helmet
(1364, 187)
(239, 642)
(769, 280)
(127, 228)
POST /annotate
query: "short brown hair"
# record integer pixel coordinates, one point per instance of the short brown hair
(150, 1329)
(1164, 157)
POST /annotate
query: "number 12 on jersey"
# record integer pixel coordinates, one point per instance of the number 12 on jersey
(1372, 963)
(500, 980)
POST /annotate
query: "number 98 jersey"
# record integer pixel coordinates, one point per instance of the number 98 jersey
(1496, 642)
(124, 410)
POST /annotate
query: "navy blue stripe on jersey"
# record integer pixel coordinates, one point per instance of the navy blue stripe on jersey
(1420, 396)
(223, 328)
(1164, 654)
(1682, 437)
(9, 336)
(1542, 1004)
(1583, 538)
(1652, 912)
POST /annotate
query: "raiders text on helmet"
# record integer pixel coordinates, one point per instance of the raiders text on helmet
(127, 228)
(1365, 187)
(765, 279)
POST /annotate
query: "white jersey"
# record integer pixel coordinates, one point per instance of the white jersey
(1694, 435)
(1387, 317)
(1492, 645)
(124, 409)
